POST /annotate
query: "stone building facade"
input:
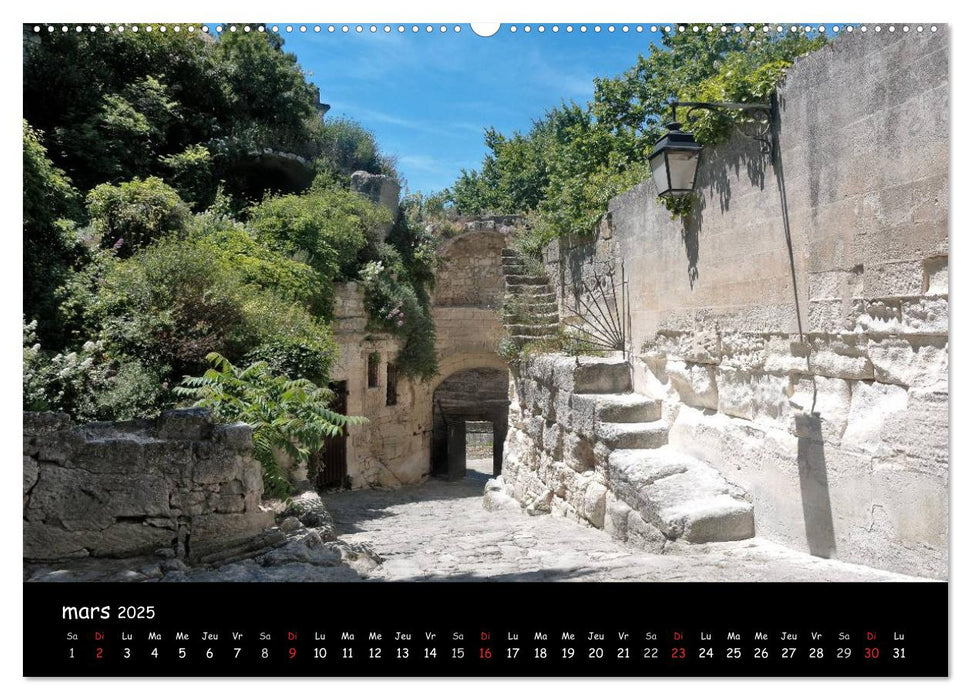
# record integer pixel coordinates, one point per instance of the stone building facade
(396, 446)
(795, 326)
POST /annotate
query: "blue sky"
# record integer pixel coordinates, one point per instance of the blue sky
(428, 96)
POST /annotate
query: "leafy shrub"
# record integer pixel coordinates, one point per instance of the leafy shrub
(87, 384)
(325, 228)
(170, 305)
(178, 300)
(268, 268)
(345, 146)
(289, 416)
(131, 215)
(51, 248)
(191, 173)
(396, 296)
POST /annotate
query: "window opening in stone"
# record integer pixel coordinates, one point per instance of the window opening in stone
(392, 384)
(373, 363)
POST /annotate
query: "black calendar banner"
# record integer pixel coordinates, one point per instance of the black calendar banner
(486, 629)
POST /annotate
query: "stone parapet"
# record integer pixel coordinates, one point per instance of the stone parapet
(179, 484)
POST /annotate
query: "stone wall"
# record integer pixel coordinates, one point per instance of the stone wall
(840, 434)
(178, 484)
(470, 273)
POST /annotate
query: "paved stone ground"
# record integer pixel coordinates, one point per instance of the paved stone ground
(440, 531)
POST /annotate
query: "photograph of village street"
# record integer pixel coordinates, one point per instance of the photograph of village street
(411, 303)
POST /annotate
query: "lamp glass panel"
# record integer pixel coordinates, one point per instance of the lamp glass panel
(682, 166)
(660, 172)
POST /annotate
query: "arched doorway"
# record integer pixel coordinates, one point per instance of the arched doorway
(477, 395)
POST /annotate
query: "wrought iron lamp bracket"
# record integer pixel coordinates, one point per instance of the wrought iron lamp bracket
(762, 116)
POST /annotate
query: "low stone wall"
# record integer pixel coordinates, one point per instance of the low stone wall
(174, 486)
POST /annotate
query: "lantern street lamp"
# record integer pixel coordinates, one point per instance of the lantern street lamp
(674, 160)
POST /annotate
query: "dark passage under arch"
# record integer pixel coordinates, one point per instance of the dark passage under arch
(480, 394)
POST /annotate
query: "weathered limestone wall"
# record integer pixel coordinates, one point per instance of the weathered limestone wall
(470, 271)
(714, 314)
(393, 447)
(177, 483)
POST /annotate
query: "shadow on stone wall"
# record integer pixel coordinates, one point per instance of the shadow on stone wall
(730, 158)
(814, 486)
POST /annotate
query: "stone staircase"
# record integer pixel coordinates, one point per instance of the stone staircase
(681, 496)
(529, 307)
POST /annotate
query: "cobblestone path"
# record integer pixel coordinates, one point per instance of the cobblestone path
(440, 531)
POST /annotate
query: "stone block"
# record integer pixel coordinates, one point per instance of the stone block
(236, 436)
(616, 513)
(743, 351)
(45, 423)
(592, 375)
(696, 384)
(828, 397)
(872, 405)
(736, 394)
(643, 535)
(578, 453)
(595, 504)
(909, 361)
(924, 316)
(553, 441)
(840, 356)
(185, 424)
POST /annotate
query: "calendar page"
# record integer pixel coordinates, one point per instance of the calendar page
(521, 349)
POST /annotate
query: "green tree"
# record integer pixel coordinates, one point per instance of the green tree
(566, 168)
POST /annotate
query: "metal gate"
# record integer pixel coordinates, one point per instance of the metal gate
(330, 462)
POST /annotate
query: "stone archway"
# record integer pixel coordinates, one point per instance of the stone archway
(474, 394)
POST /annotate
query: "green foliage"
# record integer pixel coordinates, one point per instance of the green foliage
(51, 248)
(564, 171)
(131, 215)
(324, 228)
(191, 173)
(288, 416)
(178, 300)
(134, 290)
(268, 268)
(87, 384)
(344, 146)
(394, 306)
(121, 105)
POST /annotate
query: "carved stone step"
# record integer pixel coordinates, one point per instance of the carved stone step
(590, 409)
(623, 436)
(683, 497)
(512, 280)
(593, 375)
